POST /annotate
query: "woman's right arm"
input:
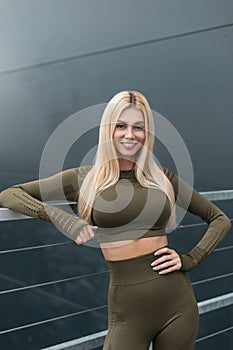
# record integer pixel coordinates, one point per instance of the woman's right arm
(29, 199)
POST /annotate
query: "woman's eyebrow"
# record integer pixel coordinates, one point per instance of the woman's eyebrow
(139, 122)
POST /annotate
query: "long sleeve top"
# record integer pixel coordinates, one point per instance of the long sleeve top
(27, 198)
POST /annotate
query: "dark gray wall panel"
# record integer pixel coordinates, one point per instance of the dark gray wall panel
(213, 322)
(43, 303)
(50, 264)
(43, 335)
(37, 31)
(188, 80)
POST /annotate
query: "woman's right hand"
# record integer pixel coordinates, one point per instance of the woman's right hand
(86, 234)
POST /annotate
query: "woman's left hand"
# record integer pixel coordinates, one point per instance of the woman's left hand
(169, 261)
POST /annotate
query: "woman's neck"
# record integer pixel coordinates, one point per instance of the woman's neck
(126, 164)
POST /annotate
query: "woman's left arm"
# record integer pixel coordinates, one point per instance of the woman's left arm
(218, 223)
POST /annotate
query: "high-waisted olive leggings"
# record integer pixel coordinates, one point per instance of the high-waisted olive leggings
(145, 307)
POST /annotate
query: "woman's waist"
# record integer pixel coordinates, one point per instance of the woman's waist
(132, 270)
(122, 250)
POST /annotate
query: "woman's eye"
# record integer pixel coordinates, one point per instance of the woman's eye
(136, 127)
(120, 126)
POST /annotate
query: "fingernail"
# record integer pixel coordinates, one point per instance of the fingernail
(152, 264)
(156, 253)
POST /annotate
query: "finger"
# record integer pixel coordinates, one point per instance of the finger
(163, 265)
(91, 230)
(160, 260)
(170, 255)
(171, 265)
(78, 240)
(176, 266)
(175, 260)
(90, 233)
(164, 250)
(169, 270)
(87, 233)
(82, 235)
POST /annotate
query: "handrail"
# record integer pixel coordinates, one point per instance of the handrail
(9, 215)
(95, 340)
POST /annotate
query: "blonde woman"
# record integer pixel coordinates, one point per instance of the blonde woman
(127, 201)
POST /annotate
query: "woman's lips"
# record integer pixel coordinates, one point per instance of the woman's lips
(128, 145)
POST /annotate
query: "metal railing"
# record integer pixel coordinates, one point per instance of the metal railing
(95, 340)
(7, 214)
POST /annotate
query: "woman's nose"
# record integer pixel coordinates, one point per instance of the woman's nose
(129, 132)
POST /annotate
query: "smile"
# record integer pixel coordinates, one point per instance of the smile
(128, 145)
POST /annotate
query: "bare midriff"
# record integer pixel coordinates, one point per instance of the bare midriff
(129, 249)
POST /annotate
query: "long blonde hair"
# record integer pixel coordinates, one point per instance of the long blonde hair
(106, 170)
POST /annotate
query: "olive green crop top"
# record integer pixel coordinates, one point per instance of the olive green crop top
(124, 211)
(128, 211)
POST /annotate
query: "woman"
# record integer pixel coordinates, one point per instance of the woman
(128, 202)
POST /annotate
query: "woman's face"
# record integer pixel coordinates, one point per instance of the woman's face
(129, 133)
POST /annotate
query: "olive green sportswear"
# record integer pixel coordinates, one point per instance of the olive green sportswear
(125, 211)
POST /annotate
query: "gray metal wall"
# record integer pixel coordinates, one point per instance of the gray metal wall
(60, 56)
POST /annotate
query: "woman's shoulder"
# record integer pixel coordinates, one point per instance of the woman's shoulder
(72, 178)
(80, 170)
(83, 169)
(74, 175)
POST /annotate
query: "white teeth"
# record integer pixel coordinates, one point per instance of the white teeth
(128, 145)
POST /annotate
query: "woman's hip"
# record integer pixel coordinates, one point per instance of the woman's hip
(135, 288)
